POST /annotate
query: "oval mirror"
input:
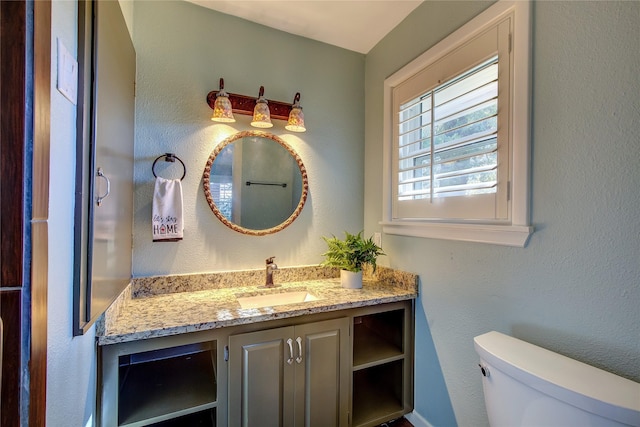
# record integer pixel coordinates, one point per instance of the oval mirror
(255, 183)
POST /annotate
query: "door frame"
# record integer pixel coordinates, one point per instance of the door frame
(40, 210)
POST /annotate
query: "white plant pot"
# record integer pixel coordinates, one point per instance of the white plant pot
(351, 280)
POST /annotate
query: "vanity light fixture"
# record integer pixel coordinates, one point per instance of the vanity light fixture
(222, 110)
(296, 116)
(261, 113)
(247, 105)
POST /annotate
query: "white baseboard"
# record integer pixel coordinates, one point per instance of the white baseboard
(417, 420)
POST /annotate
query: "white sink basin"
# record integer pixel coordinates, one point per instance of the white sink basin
(273, 299)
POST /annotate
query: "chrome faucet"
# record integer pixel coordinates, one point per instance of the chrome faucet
(271, 266)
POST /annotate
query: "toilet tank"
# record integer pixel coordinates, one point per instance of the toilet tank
(526, 385)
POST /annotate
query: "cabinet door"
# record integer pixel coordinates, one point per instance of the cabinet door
(322, 374)
(261, 379)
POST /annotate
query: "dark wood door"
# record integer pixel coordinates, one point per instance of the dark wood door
(12, 140)
(25, 78)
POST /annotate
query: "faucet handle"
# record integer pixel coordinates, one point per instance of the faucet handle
(270, 260)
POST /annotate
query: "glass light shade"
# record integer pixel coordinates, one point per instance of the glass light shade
(261, 114)
(296, 119)
(222, 109)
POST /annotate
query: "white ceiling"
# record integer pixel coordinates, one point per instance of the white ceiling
(351, 24)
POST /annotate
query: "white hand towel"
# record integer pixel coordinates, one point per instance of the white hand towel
(166, 219)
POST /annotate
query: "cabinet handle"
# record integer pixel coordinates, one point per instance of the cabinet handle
(99, 199)
(290, 359)
(299, 358)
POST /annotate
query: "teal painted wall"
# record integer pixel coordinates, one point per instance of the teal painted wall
(183, 50)
(575, 288)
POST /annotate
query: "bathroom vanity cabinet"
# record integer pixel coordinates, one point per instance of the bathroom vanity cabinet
(291, 376)
(351, 367)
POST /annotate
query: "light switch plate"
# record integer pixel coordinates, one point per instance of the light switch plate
(377, 239)
(67, 73)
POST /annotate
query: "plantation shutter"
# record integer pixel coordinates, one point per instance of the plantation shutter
(448, 136)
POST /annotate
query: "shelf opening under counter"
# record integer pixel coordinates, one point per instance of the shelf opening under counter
(157, 385)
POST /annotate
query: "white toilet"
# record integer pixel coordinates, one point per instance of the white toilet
(526, 385)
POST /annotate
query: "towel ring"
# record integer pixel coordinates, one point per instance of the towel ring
(169, 157)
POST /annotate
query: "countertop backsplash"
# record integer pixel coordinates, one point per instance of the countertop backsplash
(158, 285)
(142, 287)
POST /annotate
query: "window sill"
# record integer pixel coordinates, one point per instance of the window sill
(507, 235)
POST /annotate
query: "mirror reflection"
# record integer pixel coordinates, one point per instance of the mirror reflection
(255, 183)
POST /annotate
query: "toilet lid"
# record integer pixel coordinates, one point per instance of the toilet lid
(561, 377)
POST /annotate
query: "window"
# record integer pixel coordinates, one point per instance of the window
(457, 131)
(222, 193)
(447, 143)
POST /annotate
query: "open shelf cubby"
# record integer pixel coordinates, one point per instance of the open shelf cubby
(206, 418)
(377, 393)
(160, 385)
(378, 338)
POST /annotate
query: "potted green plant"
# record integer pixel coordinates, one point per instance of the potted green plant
(350, 255)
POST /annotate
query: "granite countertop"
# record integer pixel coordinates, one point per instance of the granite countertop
(170, 305)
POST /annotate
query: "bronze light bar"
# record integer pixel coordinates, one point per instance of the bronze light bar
(242, 104)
